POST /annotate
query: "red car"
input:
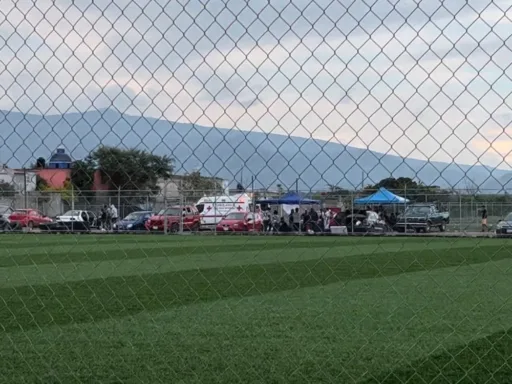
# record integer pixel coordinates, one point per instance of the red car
(30, 218)
(173, 216)
(241, 222)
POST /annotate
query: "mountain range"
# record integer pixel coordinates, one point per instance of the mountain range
(232, 154)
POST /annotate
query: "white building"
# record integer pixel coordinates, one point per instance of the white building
(18, 177)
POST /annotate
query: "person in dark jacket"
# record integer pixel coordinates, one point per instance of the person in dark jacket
(305, 220)
(283, 226)
(291, 219)
(314, 219)
(103, 218)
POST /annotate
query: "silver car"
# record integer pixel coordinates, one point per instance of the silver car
(504, 226)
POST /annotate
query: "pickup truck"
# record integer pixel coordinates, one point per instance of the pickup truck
(422, 217)
(174, 216)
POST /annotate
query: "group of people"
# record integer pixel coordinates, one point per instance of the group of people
(108, 217)
(309, 220)
(379, 214)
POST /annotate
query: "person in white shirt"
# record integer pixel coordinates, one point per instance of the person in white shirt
(372, 217)
(113, 212)
(327, 219)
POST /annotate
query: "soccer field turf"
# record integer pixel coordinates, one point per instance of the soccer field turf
(196, 309)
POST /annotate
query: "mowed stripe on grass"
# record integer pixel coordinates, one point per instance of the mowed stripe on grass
(483, 360)
(92, 300)
(46, 268)
(337, 333)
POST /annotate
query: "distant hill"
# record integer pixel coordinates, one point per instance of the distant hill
(228, 153)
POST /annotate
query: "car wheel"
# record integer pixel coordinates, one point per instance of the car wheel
(30, 225)
(195, 227)
(442, 227)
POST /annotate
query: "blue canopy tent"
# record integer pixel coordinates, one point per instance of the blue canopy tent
(382, 196)
(291, 198)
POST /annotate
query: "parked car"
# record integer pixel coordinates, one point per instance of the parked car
(135, 221)
(29, 218)
(241, 222)
(5, 212)
(73, 220)
(504, 226)
(422, 217)
(174, 216)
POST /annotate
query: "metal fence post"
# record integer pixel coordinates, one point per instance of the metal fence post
(165, 207)
(460, 212)
(405, 208)
(182, 212)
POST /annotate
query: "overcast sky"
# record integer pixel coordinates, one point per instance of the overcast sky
(430, 79)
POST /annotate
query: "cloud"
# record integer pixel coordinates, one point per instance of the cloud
(426, 80)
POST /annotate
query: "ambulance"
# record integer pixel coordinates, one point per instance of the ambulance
(214, 208)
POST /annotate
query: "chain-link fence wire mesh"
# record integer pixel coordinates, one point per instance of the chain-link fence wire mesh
(195, 117)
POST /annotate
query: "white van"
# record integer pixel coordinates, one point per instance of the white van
(212, 209)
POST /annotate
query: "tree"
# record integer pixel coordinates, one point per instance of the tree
(413, 190)
(66, 192)
(82, 176)
(131, 169)
(41, 184)
(41, 163)
(193, 184)
(335, 191)
(7, 189)
(471, 188)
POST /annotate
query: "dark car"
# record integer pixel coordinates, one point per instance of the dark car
(504, 226)
(422, 218)
(135, 221)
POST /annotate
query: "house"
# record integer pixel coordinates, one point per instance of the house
(21, 179)
(58, 169)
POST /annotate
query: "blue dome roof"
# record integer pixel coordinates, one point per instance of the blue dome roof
(60, 157)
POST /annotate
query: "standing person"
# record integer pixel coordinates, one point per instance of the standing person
(266, 220)
(313, 214)
(113, 209)
(275, 222)
(327, 220)
(321, 219)
(290, 219)
(485, 228)
(103, 218)
(305, 220)
(296, 220)
(108, 224)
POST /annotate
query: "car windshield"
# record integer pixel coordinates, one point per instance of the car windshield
(508, 217)
(72, 213)
(235, 216)
(171, 212)
(134, 216)
(21, 212)
(418, 210)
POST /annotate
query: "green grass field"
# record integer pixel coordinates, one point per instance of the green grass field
(188, 309)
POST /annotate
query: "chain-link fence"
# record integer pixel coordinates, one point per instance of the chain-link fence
(464, 209)
(374, 134)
